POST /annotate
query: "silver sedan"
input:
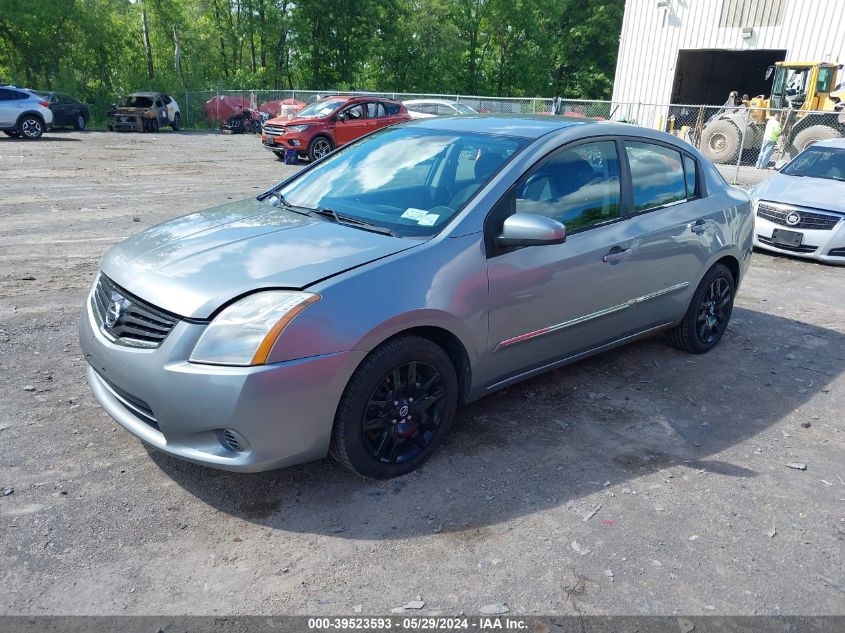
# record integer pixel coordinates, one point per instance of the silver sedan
(801, 210)
(350, 309)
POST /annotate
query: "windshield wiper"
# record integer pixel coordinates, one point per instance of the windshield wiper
(333, 215)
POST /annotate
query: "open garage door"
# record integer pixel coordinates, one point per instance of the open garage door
(708, 76)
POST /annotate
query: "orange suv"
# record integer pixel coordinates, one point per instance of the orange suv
(319, 128)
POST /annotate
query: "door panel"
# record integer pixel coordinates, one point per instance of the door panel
(351, 128)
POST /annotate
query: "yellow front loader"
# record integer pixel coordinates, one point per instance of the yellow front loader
(802, 96)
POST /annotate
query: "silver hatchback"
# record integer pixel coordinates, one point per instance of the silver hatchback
(350, 309)
(24, 113)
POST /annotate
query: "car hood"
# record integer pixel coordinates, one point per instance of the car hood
(128, 110)
(295, 120)
(192, 265)
(818, 193)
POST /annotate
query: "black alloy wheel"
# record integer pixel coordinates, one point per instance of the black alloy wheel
(396, 409)
(708, 314)
(404, 412)
(714, 311)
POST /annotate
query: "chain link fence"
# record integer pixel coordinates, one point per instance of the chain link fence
(731, 136)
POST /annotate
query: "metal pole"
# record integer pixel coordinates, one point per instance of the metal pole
(741, 147)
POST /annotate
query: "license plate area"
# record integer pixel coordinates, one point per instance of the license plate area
(781, 237)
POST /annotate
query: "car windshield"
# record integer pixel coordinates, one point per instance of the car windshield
(137, 101)
(409, 180)
(320, 109)
(465, 109)
(818, 162)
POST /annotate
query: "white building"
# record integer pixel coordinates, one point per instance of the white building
(698, 51)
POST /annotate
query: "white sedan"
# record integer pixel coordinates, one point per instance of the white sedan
(801, 209)
(426, 108)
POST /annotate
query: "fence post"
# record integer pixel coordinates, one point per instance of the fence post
(217, 105)
(187, 109)
(741, 148)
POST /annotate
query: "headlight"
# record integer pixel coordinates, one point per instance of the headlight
(296, 128)
(244, 332)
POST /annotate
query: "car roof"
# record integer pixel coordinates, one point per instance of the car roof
(144, 94)
(435, 101)
(838, 142)
(526, 126)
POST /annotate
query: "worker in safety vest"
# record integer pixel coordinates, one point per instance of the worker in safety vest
(770, 137)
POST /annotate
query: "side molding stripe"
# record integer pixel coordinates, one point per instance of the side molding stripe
(588, 317)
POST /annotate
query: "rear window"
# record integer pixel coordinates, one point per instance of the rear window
(657, 175)
(392, 108)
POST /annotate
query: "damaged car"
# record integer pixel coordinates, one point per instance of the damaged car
(145, 112)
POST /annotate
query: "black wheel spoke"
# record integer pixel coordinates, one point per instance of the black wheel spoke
(403, 414)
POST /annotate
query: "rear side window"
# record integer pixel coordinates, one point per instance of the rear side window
(578, 186)
(691, 174)
(392, 108)
(657, 175)
(375, 110)
(11, 95)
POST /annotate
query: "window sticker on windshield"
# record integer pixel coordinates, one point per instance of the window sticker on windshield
(414, 214)
(428, 220)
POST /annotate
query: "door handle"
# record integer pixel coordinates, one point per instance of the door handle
(616, 255)
(699, 226)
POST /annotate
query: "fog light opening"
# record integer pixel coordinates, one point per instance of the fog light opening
(231, 440)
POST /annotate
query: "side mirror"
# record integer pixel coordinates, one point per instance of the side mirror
(528, 229)
(781, 164)
(342, 117)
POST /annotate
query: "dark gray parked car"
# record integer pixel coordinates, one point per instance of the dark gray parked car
(351, 308)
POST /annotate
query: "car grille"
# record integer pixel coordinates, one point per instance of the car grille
(809, 219)
(138, 324)
(804, 248)
(274, 130)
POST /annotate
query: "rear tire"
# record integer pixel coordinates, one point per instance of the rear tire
(80, 123)
(319, 147)
(813, 134)
(31, 128)
(177, 122)
(396, 409)
(720, 141)
(708, 314)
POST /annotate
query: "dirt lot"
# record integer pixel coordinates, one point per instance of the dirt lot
(642, 481)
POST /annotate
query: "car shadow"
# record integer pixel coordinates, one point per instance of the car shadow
(551, 440)
(47, 137)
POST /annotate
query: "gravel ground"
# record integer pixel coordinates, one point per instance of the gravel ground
(642, 481)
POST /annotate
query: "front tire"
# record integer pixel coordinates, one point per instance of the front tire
(720, 141)
(31, 128)
(12, 133)
(396, 409)
(319, 147)
(708, 314)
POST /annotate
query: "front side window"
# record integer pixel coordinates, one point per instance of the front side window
(410, 180)
(657, 175)
(825, 79)
(578, 186)
(354, 113)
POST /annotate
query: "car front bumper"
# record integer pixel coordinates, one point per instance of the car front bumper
(281, 414)
(281, 143)
(821, 245)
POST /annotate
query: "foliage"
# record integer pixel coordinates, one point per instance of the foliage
(97, 49)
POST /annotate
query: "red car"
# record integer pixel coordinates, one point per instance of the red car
(332, 122)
